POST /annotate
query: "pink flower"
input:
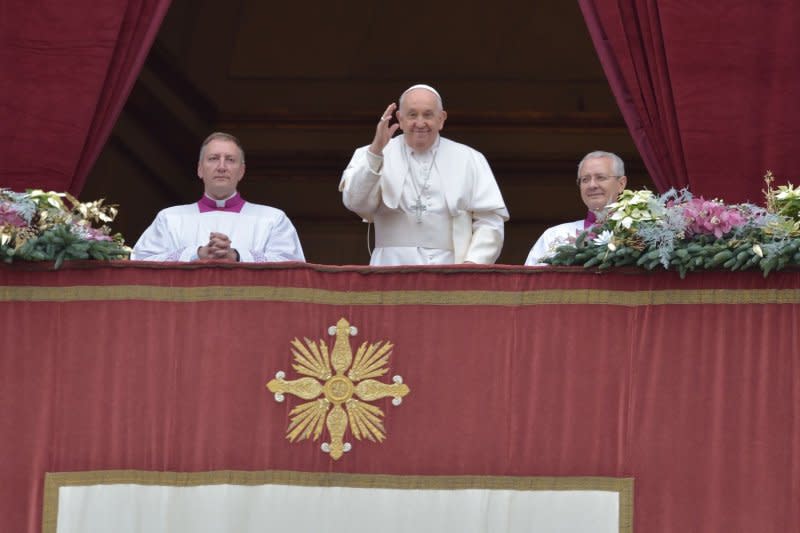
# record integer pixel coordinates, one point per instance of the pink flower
(96, 235)
(89, 233)
(706, 217)
(8, 216)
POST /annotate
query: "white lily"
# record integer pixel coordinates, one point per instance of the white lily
(604, 238)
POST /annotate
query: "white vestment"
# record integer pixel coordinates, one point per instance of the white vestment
(258, 232)
(463, 215)
(551, 239)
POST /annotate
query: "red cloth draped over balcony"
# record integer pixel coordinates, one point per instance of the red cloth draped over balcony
(690, 386)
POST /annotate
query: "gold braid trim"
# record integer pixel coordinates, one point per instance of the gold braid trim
(429, 297)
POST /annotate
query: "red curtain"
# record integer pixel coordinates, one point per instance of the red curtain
(690, 386)
(707, 89)
(68, 68)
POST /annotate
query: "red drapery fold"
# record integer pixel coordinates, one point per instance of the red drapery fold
(689, 386)
(706, 89)
(628, 40)
(67, 70)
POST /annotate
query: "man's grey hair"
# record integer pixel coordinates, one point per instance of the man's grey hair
(617, 166)
(221, 136)
(439, 104)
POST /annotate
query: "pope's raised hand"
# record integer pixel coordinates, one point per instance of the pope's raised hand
(383, 131)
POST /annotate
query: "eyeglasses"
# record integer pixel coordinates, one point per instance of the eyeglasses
(598, 178)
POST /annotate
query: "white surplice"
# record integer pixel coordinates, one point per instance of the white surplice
(258, 232)
(551, 239)
(463, 215)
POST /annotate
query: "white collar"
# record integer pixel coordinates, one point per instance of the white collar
(410, 151)
(220, 203)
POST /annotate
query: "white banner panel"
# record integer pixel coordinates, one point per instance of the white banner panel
(458, 504)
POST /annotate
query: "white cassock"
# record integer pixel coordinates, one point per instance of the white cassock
(258, 232)
(442, 206)
(551, 239)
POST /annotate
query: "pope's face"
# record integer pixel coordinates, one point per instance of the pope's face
(221, 167)
(420, 119)
(598, 184)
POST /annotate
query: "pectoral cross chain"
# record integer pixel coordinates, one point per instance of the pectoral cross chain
(419, 208)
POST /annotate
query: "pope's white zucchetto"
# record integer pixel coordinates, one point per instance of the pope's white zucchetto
(423, 86)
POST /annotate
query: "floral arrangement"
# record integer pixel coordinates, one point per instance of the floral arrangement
(49, 226)
(680, 232)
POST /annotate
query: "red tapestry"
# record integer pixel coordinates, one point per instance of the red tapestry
(689, 386)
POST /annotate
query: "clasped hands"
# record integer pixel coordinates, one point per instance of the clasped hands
(218, 248)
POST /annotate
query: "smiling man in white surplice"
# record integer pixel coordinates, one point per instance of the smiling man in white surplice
(433, 201)
(601, 177)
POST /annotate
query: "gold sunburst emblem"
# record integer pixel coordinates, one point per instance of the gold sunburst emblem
(338, 400)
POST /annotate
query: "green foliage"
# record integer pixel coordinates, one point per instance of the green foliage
(679, 232)
(59, 244)
(700, 253)
(49, 226)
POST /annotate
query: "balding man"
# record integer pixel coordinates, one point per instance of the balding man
(433, 201)
(601, 178)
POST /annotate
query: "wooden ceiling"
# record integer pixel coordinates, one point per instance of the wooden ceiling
(302, 86)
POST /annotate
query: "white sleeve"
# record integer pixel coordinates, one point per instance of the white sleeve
(538, 252)
(157, 244)
(283, 244)
(360, 183)
(489, 213)
(551, 239)
(487, 238)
